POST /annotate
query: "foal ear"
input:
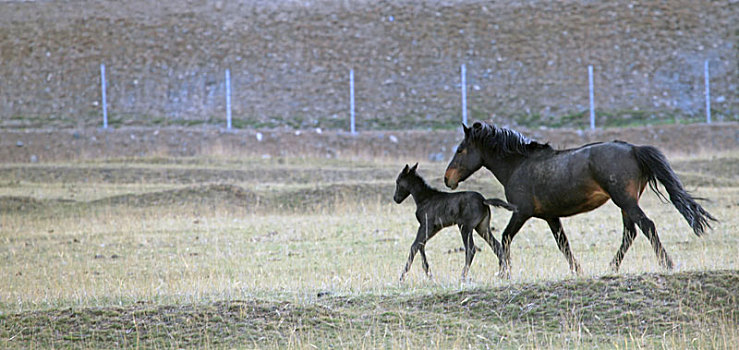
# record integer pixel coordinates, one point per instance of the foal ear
(413, 169)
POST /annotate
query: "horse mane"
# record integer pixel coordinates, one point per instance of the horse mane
(504, 141)
(421, 182)
(418, 187)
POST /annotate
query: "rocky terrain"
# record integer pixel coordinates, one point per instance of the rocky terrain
(290, 60)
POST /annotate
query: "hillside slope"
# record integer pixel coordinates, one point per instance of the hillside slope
(290, 60)
(684, 309)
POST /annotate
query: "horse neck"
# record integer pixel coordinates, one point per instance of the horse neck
(502, 167)
(420, 190)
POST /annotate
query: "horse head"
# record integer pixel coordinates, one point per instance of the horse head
(466, 161)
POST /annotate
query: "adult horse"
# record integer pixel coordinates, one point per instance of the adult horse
(549, 184)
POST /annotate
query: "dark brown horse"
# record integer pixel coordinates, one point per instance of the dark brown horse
(549, 184)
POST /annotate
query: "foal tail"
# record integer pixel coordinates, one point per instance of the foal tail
(655, 167)
(501, 204)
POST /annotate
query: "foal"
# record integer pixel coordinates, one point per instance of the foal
(436, 210)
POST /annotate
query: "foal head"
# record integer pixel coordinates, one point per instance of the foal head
(404, 182)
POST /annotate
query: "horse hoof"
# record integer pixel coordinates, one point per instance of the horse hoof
(613, 267)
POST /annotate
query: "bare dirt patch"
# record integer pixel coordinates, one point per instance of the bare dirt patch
(410, 146)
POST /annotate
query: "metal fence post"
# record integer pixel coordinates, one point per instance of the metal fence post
(105, 102)
(228, 99)
(708, 94)
(351, 101)
(592, 102)
(463, 73)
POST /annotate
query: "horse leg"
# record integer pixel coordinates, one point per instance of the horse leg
(469, 248)
(424, 261)
(555, 224)
(514, 225)
(419, 244)
(647, 227)
(628, 238)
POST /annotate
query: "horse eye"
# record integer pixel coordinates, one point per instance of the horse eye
(460, 149)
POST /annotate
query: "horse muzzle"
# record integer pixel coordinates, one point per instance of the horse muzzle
(451, 178)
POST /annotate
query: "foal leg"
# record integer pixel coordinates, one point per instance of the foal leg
(419, 244)
(424, 261)
(469, 248)
(514, 225)
(564, 245)
(485, 231)
(628, 238)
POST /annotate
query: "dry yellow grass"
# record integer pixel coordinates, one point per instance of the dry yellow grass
(88, 254)
(188, 252)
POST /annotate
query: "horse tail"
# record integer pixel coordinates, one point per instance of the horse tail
(501, 204)
(654, 167)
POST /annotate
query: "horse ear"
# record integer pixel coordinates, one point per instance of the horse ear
(405, 170)
(466, 129)
(413, 169)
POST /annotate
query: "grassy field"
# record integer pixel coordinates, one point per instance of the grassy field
(305, 253)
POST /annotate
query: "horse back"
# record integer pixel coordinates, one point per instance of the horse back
(573, 181)
(451, 208)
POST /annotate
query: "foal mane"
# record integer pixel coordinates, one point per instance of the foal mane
(418, 179)
(504, 141)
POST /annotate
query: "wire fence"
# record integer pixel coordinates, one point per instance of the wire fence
(363, 98)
